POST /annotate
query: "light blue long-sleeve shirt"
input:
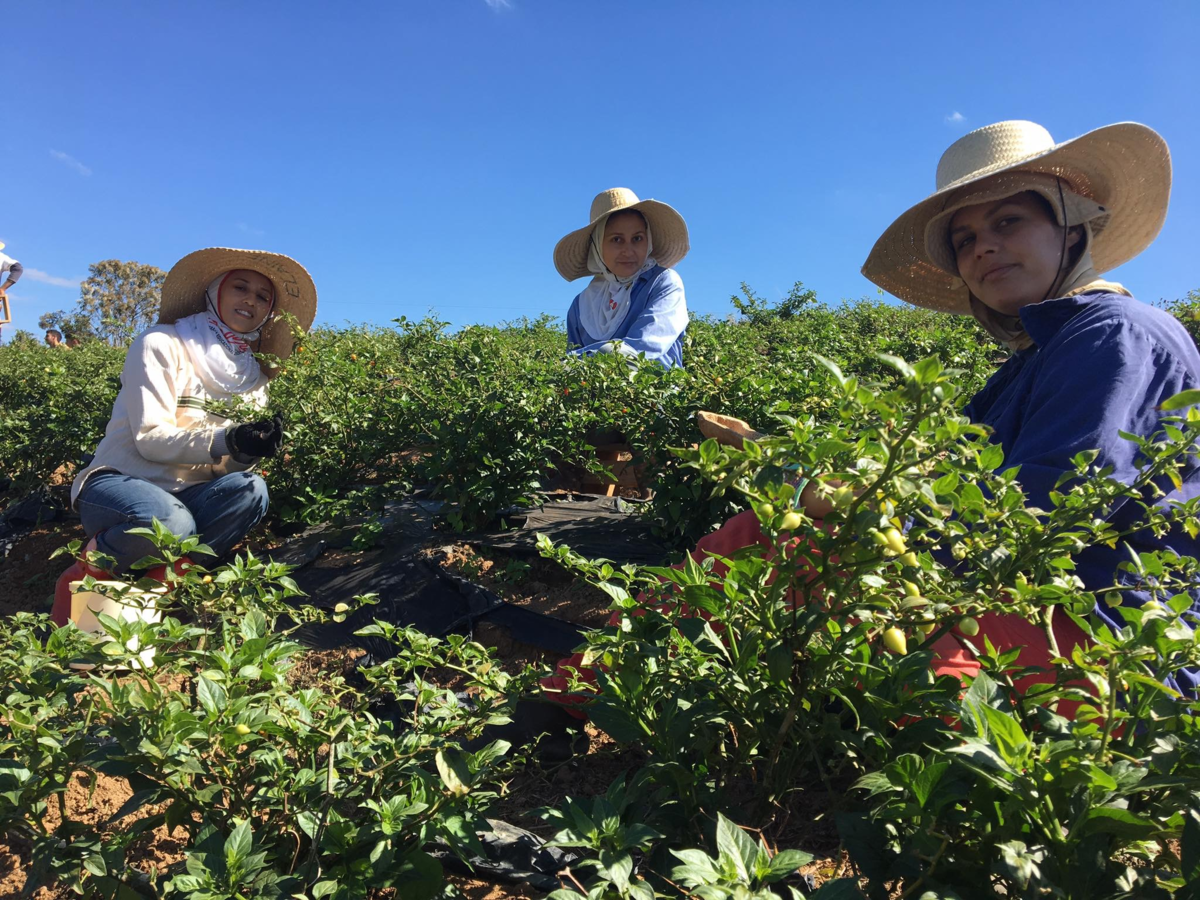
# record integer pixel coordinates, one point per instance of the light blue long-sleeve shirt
(653, 325)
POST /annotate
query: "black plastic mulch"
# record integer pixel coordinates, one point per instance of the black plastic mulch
(611, 528)
(513, 855)
(22, 516)
(411, 591)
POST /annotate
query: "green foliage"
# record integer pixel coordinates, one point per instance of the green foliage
(77, 324)
(774, 674)
(741, 870)
(23, 340)
(609, 827)
(280, 789)
(1187, 311)
(55, 408)
(741, 686)
(760, 312)
(487, 414)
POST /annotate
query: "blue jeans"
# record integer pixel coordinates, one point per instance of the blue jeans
(221, 511)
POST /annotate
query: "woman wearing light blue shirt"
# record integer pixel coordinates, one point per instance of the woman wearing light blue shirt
(634, 304)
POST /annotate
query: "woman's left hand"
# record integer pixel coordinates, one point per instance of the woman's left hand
(258, 439)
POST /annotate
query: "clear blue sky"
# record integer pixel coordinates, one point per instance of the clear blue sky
(428, 155)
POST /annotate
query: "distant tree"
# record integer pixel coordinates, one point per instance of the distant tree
(1186, 311)
(760, 311)
(75, 324)
(120, 299)
(23, 338)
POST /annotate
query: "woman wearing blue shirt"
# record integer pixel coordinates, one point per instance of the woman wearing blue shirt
(1016, 235)
(634, 304)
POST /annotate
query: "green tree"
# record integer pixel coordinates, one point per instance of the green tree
(1187, 311)
(120, 299)
(23, 339)
(71, 324)
(759, 311)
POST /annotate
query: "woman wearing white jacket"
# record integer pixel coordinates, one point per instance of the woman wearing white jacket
(167, 454)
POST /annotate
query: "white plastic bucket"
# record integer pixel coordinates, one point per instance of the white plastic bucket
(118, 600)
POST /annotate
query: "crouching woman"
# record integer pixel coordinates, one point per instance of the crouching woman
(167, 454)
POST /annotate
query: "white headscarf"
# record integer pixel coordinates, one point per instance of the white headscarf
(221, 356)
(604, 303)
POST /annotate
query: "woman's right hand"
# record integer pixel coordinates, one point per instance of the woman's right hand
(257, 439)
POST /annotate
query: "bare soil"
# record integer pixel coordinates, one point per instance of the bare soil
(92, 800)
(27, 574)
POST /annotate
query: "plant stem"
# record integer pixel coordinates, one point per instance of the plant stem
(1111, 711)
(1048, 628)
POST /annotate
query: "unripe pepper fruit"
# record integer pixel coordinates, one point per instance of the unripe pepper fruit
(790, 521)
(894, 640)
(895, 541)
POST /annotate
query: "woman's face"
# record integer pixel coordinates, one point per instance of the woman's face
(245, 300)
(1009, 252)
(625, 244)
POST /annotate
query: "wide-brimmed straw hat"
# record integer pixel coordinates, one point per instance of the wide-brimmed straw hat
(668, 232)
(185, 285)
(1120, 176)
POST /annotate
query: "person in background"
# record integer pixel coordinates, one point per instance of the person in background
(72, 341)
(10, 271)
(634, 304)
(166, 454)
(54, 338)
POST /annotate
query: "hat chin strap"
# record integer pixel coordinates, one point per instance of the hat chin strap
(1081, 278)
(1008, 330)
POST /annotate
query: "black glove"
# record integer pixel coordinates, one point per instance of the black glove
(257, 439)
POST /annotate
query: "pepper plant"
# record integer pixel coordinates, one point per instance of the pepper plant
(278, 790)
(809, 657)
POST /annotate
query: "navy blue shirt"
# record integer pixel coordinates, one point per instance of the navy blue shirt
(1101, 363)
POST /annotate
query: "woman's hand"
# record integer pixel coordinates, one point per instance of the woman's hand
(258, 439)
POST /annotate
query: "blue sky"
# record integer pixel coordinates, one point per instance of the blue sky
(428, 155)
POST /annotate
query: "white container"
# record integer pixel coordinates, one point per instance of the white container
(114, 598)
(118, 600)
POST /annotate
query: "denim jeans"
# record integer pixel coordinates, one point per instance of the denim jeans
(221, 511)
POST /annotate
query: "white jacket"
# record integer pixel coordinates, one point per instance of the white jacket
(160, 430)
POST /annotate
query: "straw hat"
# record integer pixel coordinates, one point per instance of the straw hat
(183, 290)
(668, 232)
(1120, 176)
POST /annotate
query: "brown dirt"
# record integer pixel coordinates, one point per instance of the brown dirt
(158, 850)
(475, 889)
(537, 584)
(27, 574)
(92, 800)
(313, 667)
